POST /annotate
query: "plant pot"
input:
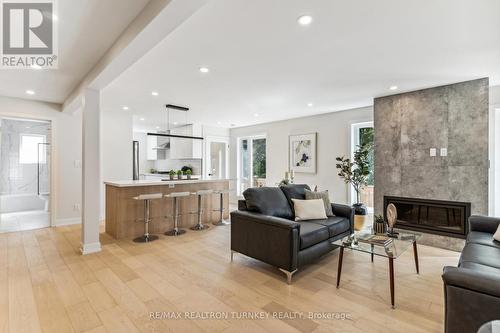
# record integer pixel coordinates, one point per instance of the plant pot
(188, 176)
(171, 177)
(179, 177)
(360, 209)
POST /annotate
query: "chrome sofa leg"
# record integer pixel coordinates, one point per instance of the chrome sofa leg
(232, 253)
(288, 275)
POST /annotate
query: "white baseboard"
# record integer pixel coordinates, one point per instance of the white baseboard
(90, 248)
(69, 221)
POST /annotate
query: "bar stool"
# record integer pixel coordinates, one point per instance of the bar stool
(201, 193)
(146, 198)
(221, 209)
(176, 196)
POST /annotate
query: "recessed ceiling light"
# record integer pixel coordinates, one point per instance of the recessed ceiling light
(125, 108)
(154, 93)
(255, 114)
(310, 105)
(157, 127)
(30, 92)
(204, 69)
(35, 66)
(305, 20)
(393, 88)
(141, 119)
(175, 123)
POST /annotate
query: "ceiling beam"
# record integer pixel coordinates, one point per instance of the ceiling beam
(153, 24)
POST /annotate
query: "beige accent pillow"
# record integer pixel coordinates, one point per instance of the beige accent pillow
(309, 209)
(496, 236)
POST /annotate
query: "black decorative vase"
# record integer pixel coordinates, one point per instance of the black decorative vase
(360, 209)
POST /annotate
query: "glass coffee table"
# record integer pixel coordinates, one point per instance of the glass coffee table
(400, 243)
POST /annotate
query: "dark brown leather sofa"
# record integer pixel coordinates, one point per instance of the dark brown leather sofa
(263, 228)
(472, 290)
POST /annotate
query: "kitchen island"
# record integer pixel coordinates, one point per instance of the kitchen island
(125, 216)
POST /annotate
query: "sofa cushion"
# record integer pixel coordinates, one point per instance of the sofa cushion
(268, 201)
(336, 225)
(323, 195)
(481, 254)
(312, 233)
(483, 238)
(294, 191)
(480, 268)
(306, 210)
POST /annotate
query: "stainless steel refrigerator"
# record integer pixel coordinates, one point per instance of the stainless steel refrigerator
(135, 162)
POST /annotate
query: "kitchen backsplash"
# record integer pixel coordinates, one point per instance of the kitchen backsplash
(166, 165)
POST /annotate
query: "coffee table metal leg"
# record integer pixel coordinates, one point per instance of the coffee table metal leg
(415, 255)
(341, 255)
(372, 252)
(391, 278)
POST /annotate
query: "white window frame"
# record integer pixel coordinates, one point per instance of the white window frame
(355, 127)
(250, 138)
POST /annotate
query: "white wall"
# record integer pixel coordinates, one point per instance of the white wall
(67, 153)
(333, 140)
(116, 148)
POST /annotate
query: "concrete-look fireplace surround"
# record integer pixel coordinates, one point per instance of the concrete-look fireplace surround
(409, 125)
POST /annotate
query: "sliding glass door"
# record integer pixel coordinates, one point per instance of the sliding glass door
(251, 162)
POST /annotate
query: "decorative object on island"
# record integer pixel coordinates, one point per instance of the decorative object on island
(356, 173)
(302, 153)
(379, 225)
(392, 216)
(179, 174)
(188, 173)
(186, 168)
(171, 173)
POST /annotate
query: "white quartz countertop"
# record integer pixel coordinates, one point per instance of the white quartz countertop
(157, 182)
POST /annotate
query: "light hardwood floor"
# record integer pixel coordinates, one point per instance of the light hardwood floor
(47, 286)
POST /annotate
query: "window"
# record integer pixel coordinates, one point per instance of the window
(361, 134)
(251, 162)
(32, 149)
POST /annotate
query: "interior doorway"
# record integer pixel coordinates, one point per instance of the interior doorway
(217, 157)
(25, 169)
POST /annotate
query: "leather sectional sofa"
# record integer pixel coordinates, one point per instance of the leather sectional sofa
(264, 228)
(472, 290)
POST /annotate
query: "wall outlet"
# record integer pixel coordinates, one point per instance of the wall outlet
(443, 152)
(76, 207)
(77, 164)
(433, 152)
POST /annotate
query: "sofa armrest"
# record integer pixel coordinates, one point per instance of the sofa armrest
(344, 211)
(481, 282)
(483, 223)
(270, 239)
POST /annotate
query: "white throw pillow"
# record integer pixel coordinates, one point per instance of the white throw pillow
(309, 209)
(496, 236)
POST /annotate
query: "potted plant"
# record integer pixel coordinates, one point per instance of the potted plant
(171, 173)
(356, 173)
(188, 173)
(179, 174)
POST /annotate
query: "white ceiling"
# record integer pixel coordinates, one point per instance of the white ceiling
(261, 61)
(86, 29)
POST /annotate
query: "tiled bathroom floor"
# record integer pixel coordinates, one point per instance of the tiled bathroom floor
(19, 221)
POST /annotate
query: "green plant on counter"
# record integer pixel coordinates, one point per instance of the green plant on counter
(179, 172)
(188, 172)
(171, 173)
